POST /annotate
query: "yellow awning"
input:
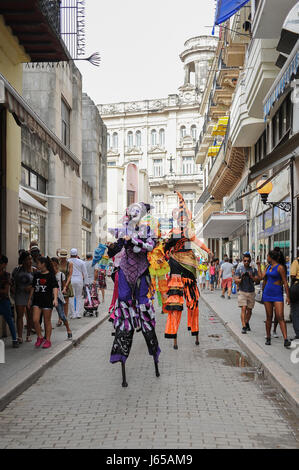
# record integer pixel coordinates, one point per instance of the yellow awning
(213, 150)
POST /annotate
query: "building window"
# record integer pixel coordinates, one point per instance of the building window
(158, 170)
(115, 140)
(260, 148)
(108, 141)
(158, 200)
(188, 165)
(183, 131)
(31, 228)
(86, 214)
(194, 132)
(130, 197)
(65, 123)
(162, 137)
(154, 137)
(138, 138)
(86, 242)
(111, 163)
(189, 200)
(33, 180)
(281, 122)
(130, 139)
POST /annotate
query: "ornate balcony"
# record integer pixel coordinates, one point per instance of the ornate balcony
(37, 25)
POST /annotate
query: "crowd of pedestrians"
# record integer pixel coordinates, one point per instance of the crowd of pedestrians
(279, 283)
(38, 285)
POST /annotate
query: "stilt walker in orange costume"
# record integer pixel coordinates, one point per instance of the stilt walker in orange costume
(182, 282)
(158, 269)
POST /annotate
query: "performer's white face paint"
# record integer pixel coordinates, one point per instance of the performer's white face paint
(135, 212)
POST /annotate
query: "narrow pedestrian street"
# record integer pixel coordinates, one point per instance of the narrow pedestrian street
(207, 396)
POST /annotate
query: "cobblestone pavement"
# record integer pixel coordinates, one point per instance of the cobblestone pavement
(201, 400)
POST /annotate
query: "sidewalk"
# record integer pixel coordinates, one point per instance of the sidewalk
(275, 360)
(23, 366)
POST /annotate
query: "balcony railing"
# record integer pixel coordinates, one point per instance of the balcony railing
(51, 9)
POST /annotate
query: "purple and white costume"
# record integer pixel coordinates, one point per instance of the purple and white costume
(133, 309)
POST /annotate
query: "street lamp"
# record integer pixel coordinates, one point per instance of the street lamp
(265, 190)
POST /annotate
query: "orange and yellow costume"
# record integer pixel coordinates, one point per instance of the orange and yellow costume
(158, 269)
(182, 281)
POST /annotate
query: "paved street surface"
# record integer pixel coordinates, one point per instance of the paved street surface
(230, 312)
(207, 397)
(17, 360)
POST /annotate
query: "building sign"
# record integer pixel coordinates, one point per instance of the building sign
(268, 222)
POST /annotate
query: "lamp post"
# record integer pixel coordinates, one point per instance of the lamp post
(265, 189)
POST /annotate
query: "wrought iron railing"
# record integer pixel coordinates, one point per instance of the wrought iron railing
(67, 19)
(51, 9)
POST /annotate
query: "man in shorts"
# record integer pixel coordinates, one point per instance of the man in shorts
(226, 272)
(245, 278)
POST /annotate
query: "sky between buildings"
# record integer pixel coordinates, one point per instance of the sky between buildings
(139, 42)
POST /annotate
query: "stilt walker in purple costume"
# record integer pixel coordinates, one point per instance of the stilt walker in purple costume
(134, 310)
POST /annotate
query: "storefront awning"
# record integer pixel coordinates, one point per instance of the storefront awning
(222, 224)
(29, 201)
(26, 117)
(225, 9)
(287, 73)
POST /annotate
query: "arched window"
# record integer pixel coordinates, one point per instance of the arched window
(154, 137)
(115, 140)
(138, 138)
(108, 141)
(162, 137)
(130, 139)
(194, 131)
(183, 131)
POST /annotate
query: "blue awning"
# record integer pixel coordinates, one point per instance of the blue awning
(286, 75)
(225, 9)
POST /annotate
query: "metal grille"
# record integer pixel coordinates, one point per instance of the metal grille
(72, 26)
(51, 9)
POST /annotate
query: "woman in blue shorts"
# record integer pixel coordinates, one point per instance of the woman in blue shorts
(276, 279)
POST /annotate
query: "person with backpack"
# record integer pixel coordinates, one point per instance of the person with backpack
(60, 278)
(66, 267)
(294, 294)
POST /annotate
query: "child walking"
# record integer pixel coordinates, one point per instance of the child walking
(60, 278)
(44, 295)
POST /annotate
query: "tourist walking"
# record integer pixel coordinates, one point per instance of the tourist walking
(245, 277)
(92, 271)
(212, 275)
(44, 295)
(202, 268)
(226, 272)
(66, 267)
(60, 278)
(275, 279)
(5, 306)
(22, 277)
(79, 279)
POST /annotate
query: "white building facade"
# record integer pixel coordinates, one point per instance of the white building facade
(151, 143)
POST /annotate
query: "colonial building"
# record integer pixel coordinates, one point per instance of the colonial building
(62, 196)
(151, 142)
(251, 133)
